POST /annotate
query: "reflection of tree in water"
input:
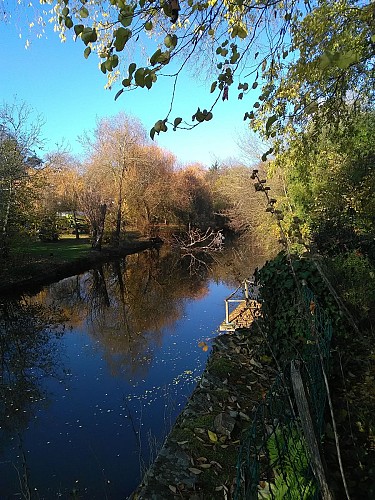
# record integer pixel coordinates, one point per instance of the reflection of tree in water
(131, 303)
(128, 304)
(27, 354)
(238, 261)
(69, 294)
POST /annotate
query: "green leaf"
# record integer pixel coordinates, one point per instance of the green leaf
(126, 16)
(271, 120)
(234, 58)
(131, 69)
(65, 11)
(89, 35)
(68, 22)
(167, 9)
(177, 122)
(114, 61)
(347, 59)
(87, 52)
(154, 57)
(164, 57)
(212, 436)
(148, 26)
(200, 117)
(152, 133)
(148, 80)
(140, 77)
(170, 41)
(122, 37)
(213, 86)
(78, 28)
(158, 126)
(83, 12)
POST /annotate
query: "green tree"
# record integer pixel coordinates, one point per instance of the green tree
(19, 134)
(303, 55)
(330, 173)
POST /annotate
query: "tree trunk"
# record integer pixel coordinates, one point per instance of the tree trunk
(4, 250)
(75, 225)
(98, 231)
(116, 236)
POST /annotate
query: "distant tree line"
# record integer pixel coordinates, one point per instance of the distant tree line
(124, 182)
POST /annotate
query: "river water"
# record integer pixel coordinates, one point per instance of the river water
(95, 369)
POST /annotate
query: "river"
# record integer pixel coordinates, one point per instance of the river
(96, 368)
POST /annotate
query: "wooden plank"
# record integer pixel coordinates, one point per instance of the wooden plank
(308, 431)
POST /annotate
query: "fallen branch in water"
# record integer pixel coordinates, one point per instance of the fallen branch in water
(195, 240)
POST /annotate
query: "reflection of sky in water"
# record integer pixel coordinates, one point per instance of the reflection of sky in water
(97, 430)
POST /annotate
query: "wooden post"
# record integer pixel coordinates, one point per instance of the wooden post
(226, 312)
(246, 290)
(308, 431)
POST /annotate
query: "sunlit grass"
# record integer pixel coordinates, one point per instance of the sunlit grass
(66, 248)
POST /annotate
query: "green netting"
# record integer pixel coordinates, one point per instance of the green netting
(274, 460)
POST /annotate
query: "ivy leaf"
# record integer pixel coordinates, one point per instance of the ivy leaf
(212, 436)
(194, 470)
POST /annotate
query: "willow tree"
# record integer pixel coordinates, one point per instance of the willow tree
(112, 150)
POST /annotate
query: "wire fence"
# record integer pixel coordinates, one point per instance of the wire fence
(280, 458)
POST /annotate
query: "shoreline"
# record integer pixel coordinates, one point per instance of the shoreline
(42, 274)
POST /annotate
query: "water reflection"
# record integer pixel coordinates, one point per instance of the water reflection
(28, 335)
(94, 370)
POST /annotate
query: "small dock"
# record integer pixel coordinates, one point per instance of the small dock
(248, 308)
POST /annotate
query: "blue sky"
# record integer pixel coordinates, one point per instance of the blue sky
(68, 91)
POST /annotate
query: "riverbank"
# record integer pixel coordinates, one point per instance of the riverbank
(31, 275)
(199, 457)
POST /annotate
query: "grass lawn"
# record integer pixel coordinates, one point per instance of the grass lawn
(66, 249)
